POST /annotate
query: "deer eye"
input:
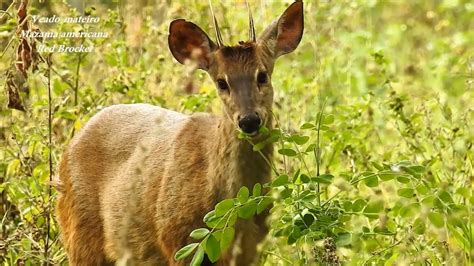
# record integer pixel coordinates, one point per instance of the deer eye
(262, 77)
(222, 85)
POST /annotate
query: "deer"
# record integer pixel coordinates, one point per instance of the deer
(137, 178)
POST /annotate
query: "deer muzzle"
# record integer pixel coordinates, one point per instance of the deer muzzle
(250, 123)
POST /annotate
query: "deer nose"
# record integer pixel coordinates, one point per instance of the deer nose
(250, 123)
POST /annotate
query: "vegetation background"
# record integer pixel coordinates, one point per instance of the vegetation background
(383, 176)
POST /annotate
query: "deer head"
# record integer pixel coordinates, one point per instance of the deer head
(242, 73)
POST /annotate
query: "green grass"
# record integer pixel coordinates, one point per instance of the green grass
(396, 135)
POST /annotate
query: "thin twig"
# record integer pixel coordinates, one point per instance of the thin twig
(76, 83)
(382, 250)
(76, 86)
(6, 47)
(280, 257)
(50, 146)
(302, 158)
(272, 166)
(5, 13)
(353, 182)
(6, 10)
(62, 78)
(280, 139)
(317, 149)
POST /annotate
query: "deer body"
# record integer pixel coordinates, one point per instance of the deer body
(150, 181)
(138, 179)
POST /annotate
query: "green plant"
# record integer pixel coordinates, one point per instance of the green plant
(396, 143)
(307, 213)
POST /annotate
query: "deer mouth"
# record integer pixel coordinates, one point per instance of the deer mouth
(257, 132)
(253, 134)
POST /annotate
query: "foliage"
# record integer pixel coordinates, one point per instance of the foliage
(384, 209)
(374, 139)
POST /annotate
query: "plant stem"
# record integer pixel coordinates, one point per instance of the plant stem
(50, 146)
(317, 150)
(280, 140)
(376, 253)
(279, 256)
(76, 84)
(5, 12)
(272, 166)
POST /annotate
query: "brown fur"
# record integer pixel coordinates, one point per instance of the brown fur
(137, 179)
(161, 180)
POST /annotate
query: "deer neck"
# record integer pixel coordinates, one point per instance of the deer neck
(236, 164)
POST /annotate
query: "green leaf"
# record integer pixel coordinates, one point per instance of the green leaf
(66, 115)
(263, 204)
(358, 205)
(327, 119)
(199, 233)
(232, 219)
(417, 168)
(275, 133)
(406, 192)
(308, 219)
(347, 205)
(224, 206)
(323, 179)
(248, 210)
(294, 235)
(419, 226)
(462, 238)
(213, 221)
(403, 179)
(445, 197)
(382, 230)
(198, 257)
(243, 194)
(287, 152)
(59, 87)
(295, 176)
(304, 178)
(410, 171)
(309, 197)
(436, 219)
(372, 181)
(209, 216)
(409, 210)
(373, 209)
(263, 130)
(387, 175)
(422, 189)
(298, 139)
(438, 203)
(377, 166)
(257, 190)
(310, 147)
(227, 237)
(185, 251)
(464, 192)
(307, 126)
(286, 193)
(212, 248)
(280, 181)
(344, 239)
(243, 135)
(259, 146)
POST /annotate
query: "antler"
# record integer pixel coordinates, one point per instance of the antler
(252, 35)
(220, 43)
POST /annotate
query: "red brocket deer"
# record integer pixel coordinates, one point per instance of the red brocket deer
(137, 179)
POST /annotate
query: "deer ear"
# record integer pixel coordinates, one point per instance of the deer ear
(188, 42)
(284, 35)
